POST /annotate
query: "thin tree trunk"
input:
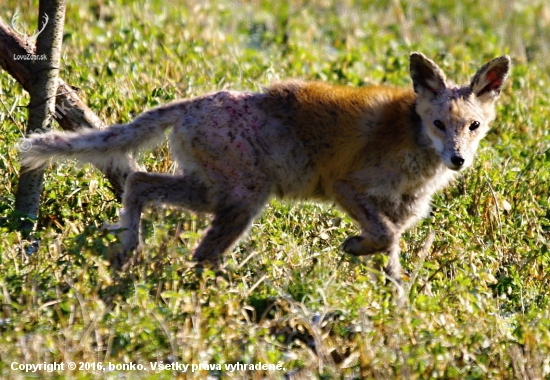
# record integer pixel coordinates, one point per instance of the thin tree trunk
(71, 112)
(43, 88)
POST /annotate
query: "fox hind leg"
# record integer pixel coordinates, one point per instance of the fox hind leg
(228, 224)
(233, 210)
(143, 188)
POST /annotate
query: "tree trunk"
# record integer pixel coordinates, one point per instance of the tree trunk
(43, 88)
(71, 112)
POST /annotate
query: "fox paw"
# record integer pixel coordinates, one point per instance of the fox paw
(208, 261)
(123, 253)
(352, 245)
(122, 257)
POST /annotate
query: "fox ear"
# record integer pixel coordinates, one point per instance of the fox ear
(487, 82)
(426, 75)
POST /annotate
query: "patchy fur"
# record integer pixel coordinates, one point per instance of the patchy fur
(379, 153)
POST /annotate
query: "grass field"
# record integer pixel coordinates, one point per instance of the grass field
(479, 297)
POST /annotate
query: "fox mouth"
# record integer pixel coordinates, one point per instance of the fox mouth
(454, 167)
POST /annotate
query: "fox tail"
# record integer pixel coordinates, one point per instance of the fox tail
(100, 147)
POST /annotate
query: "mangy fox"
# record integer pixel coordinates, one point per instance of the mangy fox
(379, 153)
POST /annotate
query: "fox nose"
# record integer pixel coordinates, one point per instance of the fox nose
(457, 160)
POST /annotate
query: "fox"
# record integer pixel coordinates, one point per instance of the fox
(379, 153)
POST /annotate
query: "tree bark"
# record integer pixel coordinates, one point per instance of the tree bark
(43, 88)
(71, 112)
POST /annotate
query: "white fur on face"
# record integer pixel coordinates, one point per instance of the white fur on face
(456, 110)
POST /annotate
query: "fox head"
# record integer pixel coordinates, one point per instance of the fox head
(455, 119)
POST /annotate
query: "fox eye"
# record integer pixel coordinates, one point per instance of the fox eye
(474, 126)
(439, 125)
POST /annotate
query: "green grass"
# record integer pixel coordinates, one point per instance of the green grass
(479, 303)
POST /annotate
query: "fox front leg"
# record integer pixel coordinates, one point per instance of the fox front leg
(378, 232)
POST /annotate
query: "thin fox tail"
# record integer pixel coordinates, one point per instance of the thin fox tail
(99, 147)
